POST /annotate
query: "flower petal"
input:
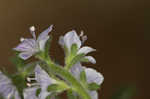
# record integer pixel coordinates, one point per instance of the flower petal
(76, 70)
(30, 93)
(7, 90)
(25, 55)
(42, 77)
(42, 43)
(26, 45)
(85, 50)
(91, 59)
(93, 76)
(61, 41)
(72, 38)
(44, 80)
(93, 94)
(45, 33)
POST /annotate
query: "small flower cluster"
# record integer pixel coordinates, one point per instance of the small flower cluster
(44, 79)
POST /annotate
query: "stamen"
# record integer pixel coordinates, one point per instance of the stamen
(82, 33)
(32, 84)
(22, 39)
(30, 79)
(32, 28)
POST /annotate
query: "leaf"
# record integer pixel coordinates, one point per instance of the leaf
(17, 61)
(74, 49)
(93, 86)
(47, 47)
(75, 59)
(83, 77)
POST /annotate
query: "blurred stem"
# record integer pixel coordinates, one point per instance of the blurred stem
(60, 71)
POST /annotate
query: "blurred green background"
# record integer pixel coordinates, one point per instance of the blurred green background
(118, 29)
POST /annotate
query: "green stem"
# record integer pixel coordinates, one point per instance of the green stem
(76, 85)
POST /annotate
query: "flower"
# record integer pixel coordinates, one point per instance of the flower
(92, 76)
(29, 46)
(44, 80)
(72, 38)
(7, 89)
(30, 93)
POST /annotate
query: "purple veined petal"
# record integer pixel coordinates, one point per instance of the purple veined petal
(85, 50)
(42, 77)
(25, 55)
(93, 76)
(26, 45)
(7, 90)
(93, 94)
(61, 41)
(76, 70)
(42, 43)
(72, 38)
(91, 59)
(16, 95)
(30, 93)
(44, 80)
(45, 33)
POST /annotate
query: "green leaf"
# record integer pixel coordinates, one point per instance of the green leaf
(93, 86)
(47, 47)
(74, 49)
(74, 60)
(83, 77)
(17, 61)
(53, 87)
(71, 95)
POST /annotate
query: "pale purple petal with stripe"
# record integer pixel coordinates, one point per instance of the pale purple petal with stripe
(76, 70)
(93, 76)
(42, 43)
(7, 89)
(45, 33)
(91, 59)
(25, 55)
(44, 80)
(26, 45)
(72, 38)
(85, 50)
(30, 93)
(93, 94)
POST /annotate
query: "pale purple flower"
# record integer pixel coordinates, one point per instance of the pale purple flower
(44, 80)
(30, 93)
(7, 89)
(29, 46)
(71, 38)
(92, 76)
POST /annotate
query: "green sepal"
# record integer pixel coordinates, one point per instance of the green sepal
(57, 87)
(74, 49)
(83, 77)
(74, 60)
(93, 86)
(17, 61)
(47, 47)
(38, 91)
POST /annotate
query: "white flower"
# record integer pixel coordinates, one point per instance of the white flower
(7, 89)
(44, 80)
(30, 46)
(72, 38)
(92, 76)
